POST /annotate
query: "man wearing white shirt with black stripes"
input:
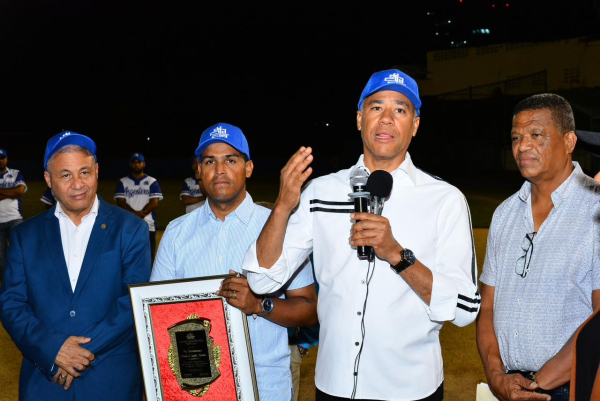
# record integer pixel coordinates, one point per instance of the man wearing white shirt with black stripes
(424, 273)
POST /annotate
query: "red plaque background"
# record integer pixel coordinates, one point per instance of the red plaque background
(166, 315)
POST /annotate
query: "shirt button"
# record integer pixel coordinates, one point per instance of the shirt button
(224, 228)
(74, 256)
(358, 313)
(516, 334)
(357, 343)
(72, 313)
(518, 300)
(362, 281)
(220, 258)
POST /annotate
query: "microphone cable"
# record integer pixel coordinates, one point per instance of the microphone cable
(370, 273)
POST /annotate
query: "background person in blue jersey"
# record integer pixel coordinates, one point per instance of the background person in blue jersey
(48, 198)
(213, 240)
(12, 186)
(139, 193)
(65, 300)
(191, 193)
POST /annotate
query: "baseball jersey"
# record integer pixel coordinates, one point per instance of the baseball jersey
(137, 192)
(48, 197)
(191, 188)
(10, 209)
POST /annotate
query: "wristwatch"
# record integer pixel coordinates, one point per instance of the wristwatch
(267, 305)
(408, 259)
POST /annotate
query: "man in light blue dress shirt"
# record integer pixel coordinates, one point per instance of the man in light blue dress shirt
(213, 239)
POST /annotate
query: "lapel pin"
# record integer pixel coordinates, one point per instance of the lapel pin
(103, 226)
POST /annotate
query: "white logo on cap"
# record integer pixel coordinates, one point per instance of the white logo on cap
(65, 134)
(394, 78)
(219, 132)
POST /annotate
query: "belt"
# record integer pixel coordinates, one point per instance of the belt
(530, 375)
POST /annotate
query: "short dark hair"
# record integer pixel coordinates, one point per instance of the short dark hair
(559, 109)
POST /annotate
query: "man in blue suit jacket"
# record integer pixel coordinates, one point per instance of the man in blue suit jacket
(64, 299)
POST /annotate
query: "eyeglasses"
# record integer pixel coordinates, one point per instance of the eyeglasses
(523, 262)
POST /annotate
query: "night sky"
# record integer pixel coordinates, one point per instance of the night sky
(167, 70)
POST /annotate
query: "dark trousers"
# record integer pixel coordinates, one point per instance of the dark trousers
(153, 244)
(437, 396)
(5, 229)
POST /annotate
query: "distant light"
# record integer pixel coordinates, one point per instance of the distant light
(487, 31)
(493, 6)
(436, 34)
(148, 138)
(506, 4)
(451, 43)
(465, 42)
(327, 124)
(449, 21)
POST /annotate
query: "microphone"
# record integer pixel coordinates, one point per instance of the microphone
(379, 186)
(358, 181)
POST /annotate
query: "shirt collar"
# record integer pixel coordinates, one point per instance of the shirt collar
(60, 212)
(559, 193)
(405, 168)
(243, 212)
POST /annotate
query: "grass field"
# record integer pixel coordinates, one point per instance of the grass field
(462, 366)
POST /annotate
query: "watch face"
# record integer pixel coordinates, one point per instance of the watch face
(267, 305)
(409, 256)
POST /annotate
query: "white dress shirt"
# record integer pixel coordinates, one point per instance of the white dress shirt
(401, 357)
(75, 239)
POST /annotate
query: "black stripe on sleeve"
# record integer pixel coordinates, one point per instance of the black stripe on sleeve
(473, 261)
(322, 209)
(461, 306)
(330, 203)
(471, 300)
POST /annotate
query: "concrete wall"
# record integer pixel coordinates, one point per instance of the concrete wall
(572, 63)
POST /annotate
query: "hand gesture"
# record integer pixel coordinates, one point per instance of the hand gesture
(293, 175)
(72, 357)
(239, 295)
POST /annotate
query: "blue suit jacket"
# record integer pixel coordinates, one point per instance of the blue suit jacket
(40, 311)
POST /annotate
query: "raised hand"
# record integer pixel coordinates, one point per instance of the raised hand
(293, 175)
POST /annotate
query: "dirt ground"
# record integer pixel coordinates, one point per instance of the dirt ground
(462, 366)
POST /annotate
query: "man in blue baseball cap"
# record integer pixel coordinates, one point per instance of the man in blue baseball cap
(12, 186)
(388, 348)
(213, 239)
(65, 300)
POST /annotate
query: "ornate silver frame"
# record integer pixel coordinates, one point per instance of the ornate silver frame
(182, 291)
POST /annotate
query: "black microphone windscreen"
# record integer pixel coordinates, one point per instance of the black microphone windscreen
(380, 184)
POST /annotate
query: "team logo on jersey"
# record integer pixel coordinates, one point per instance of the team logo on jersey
(219, 132)
(146, 183)
(395, 78)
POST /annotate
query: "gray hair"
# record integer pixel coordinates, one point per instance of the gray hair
(68, 149)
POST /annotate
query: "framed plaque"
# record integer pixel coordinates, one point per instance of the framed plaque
(193, 345)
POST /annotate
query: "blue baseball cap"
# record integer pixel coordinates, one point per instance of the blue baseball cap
(66, 138)
(3, 153)
(137, 156)
(392, 80)
(225, 133)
